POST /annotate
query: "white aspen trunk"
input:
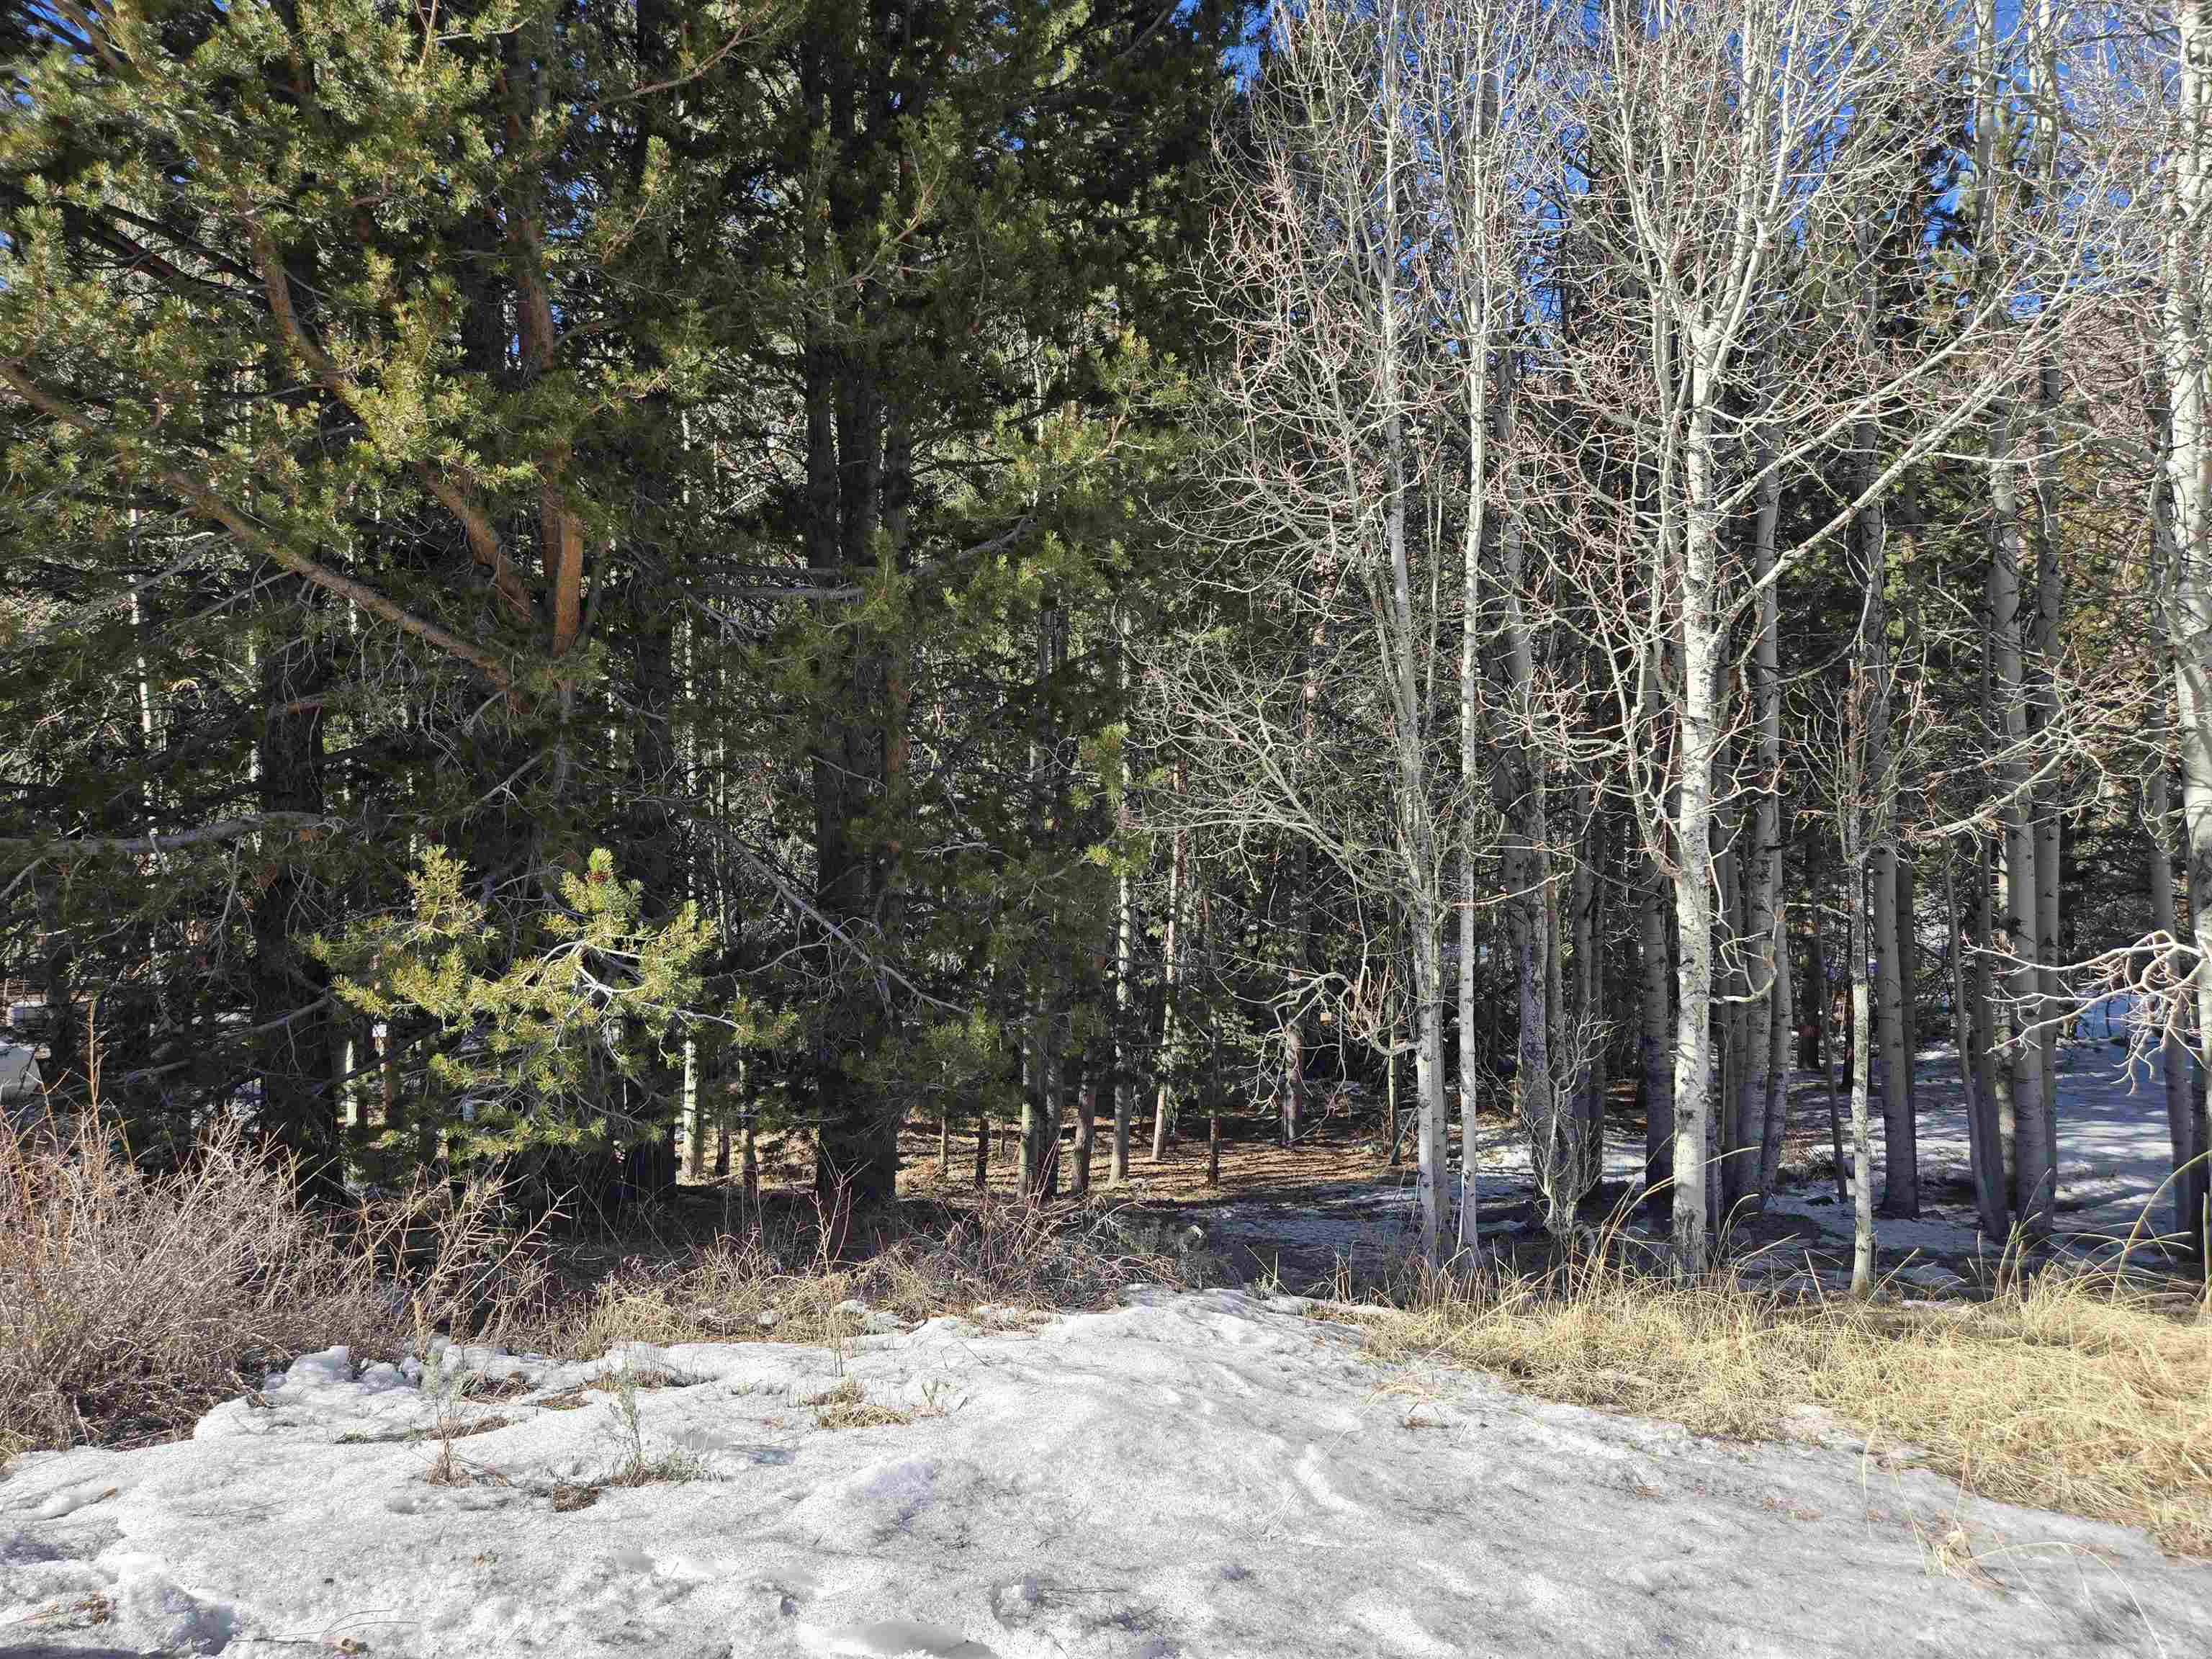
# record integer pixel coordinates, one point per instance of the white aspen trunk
(1863, 1038)
(1042, 1060)
(1998, 1010)
(1406, 660)
(1704, 663)
(2188, 456)
(1468, 1229)
(1721, 1190)
(695, 1127)
(1870, 806)
(1470, 766)
(1125, 944)
(1170, 977)
(1471, 734)
(1293, 1084)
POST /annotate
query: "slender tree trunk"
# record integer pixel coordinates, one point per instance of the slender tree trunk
(2185, 366)
(2192, 1182)
(1984, 1154)
(1408, 653)
(2043, 717)
(1862, 1040)
(1171, 980)
(1765, 940)
(1124, 941)
(1581, 930)
(749, 1172)
(1390, 1095)
(1900, 1183)
(1654, 1034)
(1592, 1001)
(1704, 663)
(1086, 1129)
(1819, 967)
(1900, 1171)
(1519, 793)
(1781, 1052)
(2033, 1177)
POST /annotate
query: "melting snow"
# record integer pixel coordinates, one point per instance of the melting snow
(1189, 1476)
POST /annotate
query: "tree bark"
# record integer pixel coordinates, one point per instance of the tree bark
(2033, 1177)
(1171, 980)
(1768, 961)
(2192, 1182)
(1655, 1031)
(1862, 1040)
(2187, 376)
(1985, 1155)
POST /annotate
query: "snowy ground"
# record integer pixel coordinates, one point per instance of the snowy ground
(2114, 1154)
(1190, 1475)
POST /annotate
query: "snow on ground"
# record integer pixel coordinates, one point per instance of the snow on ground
(2114, 1154)
(1189, 1476)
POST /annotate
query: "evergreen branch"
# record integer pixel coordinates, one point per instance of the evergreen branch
(483, 537)
(254, 540)
(132, 846)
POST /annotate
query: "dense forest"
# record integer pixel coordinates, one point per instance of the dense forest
(608, 585)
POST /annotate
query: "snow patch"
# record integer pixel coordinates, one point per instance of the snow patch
(1184, 1475)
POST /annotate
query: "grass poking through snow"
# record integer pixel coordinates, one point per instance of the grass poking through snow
(2070, 1389)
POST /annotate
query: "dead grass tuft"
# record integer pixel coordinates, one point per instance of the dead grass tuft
(783, 1287)
(2071, 1388)
(848, 1406)
(131, 1303)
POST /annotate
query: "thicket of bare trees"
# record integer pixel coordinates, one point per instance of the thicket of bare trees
(1669, 435)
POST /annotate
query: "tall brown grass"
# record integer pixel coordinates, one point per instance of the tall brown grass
(130, 1303)
(2071, 1388)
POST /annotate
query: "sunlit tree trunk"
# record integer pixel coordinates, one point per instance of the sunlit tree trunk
(2183, 362)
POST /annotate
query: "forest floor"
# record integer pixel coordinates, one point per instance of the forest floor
(1219, 1474)
(1298, 1217)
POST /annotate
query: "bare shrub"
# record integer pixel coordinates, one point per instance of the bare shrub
(131, 1303)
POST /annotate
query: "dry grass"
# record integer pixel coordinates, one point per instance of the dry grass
(2070, 1389)
(848, 1406)
(784, 1287)
(130, 1303)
